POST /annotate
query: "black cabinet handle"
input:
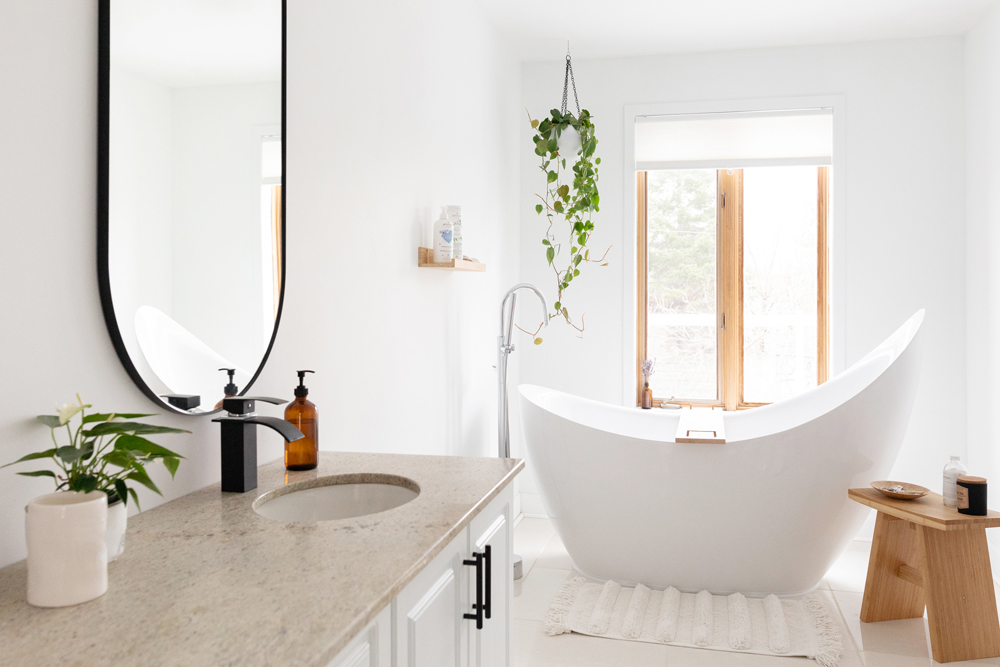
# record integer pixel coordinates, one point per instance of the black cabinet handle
(489, 579)
(479, 606)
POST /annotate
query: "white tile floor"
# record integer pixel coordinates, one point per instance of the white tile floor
(546, 566)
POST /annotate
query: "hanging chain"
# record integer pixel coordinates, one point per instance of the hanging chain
(566, 81)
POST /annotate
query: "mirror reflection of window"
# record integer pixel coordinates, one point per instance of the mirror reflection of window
(270, 219)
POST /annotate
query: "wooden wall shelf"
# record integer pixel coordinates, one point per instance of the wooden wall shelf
(425, 259)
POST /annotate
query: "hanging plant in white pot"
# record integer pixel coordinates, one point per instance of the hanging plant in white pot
(566, 145)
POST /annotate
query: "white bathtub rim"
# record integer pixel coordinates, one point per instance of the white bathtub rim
(794, 411)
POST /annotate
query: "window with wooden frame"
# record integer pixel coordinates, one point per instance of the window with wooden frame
(732, 282)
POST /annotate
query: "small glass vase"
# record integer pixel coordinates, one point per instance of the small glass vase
(647, 396)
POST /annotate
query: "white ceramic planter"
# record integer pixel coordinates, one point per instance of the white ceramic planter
(67, 556)
(114, 536)
(570, 145)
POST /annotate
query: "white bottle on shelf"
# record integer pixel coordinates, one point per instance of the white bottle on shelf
(949, 492)
(455, 216)
(443, 239)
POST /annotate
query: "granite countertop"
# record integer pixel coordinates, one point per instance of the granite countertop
(205, 580)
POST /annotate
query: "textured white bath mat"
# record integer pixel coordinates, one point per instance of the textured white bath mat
(800, 627)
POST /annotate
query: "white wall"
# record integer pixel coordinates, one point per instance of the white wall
(393, 111)
(905, 201)
(982, 145)
(426, 116)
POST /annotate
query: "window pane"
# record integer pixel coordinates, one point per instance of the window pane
(681, 319)
(779, 282)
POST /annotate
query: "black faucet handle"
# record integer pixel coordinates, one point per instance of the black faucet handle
(243, 405)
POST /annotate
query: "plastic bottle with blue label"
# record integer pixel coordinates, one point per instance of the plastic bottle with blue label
(443, 238)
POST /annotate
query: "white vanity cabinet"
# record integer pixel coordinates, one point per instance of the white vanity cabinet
(426, 625)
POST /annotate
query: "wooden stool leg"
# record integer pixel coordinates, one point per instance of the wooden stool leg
(895, 549)
(958, 584)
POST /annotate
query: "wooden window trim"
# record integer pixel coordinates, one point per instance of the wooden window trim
(729, 261)
(276, 224)
(642, 281)
(823, 276)
(729, 257)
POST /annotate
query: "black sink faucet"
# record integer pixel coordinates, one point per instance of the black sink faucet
(239, 440)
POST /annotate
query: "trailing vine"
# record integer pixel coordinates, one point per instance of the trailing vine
(571, 198)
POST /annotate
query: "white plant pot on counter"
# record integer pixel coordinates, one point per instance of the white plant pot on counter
(67, 555)
(114, 536)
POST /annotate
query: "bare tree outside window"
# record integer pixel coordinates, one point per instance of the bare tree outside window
(682, 282)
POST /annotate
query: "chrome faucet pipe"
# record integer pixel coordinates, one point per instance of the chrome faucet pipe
(504, 348)
(510, 318)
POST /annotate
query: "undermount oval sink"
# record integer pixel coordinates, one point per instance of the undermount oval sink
(336, 497)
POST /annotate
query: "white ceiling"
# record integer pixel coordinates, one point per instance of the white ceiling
(198, 42)
(614, 28)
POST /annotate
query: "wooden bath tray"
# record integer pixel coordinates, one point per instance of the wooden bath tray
(701, 426)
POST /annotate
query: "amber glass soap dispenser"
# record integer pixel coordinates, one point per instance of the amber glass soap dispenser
(301, 413)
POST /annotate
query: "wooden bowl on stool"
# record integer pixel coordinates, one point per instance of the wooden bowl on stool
(910, 491)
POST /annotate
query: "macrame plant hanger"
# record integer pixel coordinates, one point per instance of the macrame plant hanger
(566, 83)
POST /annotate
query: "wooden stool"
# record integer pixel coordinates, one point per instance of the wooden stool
(926, 553)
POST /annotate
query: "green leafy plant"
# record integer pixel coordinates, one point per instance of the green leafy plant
(571, 198)
(106, 452)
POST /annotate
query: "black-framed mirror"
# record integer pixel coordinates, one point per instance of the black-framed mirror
(191, 192)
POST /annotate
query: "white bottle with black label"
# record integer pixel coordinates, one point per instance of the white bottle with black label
(952, 471)
(455, 216)
(443, 239)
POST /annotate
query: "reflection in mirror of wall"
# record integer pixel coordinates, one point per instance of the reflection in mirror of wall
(194, 227)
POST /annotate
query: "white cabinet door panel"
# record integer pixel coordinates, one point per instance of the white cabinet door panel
(431, 633)
(429, 612)
(492, 528)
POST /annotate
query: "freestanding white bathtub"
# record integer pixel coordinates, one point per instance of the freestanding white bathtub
(767, 512)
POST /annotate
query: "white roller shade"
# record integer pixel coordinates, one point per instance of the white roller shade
(270, 159)
(744, 139)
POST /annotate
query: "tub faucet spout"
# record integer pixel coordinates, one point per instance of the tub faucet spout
(504, 347)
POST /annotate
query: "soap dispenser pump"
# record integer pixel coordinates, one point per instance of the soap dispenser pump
(230, 389)
(302, 454)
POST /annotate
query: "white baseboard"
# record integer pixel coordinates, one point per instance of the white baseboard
(531, 506)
